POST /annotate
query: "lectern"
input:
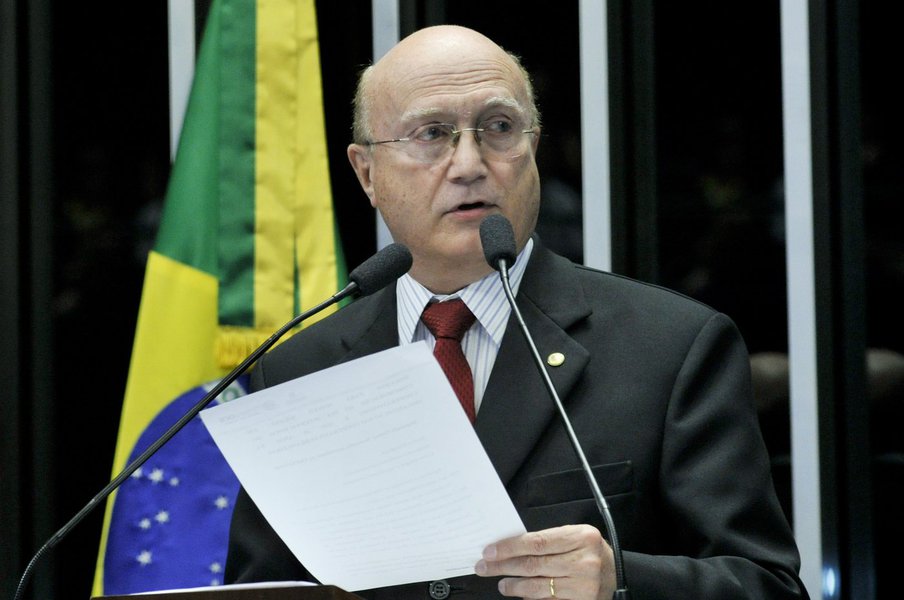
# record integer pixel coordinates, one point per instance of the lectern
(318, 592)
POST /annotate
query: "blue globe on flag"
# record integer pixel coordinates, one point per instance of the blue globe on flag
(170, 522)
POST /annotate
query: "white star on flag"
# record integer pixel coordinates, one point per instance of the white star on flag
(221, 502)
(144, 558)
(174, 481)
(156, 475)
(162, 517)
(145, 523)
(216, 567)
(137, 473)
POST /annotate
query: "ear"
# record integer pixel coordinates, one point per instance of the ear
(362, 161)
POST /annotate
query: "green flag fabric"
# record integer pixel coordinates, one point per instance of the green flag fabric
(247, 240)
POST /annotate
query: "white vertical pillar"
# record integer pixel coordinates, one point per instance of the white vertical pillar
(595, 134)
(802, 296)
(181, 64)
(385, 24)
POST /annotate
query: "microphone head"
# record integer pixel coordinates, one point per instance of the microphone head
(498, 240)
(381, 269)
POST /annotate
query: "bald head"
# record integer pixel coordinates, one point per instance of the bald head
(445, 50)
(433, 190)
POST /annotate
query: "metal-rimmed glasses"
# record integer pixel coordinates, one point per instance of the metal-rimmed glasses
(498, 140)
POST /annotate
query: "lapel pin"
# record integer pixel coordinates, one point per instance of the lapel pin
(555, 359)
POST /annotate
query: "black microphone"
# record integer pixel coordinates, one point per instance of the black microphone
(380, 270)
(498, 241)
(372, 275)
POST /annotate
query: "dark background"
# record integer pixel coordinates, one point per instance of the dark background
(86, 159)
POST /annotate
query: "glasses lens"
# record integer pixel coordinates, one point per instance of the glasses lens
(500, 137)
(503, 143)
(497, 140)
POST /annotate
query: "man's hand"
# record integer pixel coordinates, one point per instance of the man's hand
(573, 562)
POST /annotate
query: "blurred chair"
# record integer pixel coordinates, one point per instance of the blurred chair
(771, 394)
(885, 386)
(885, 393)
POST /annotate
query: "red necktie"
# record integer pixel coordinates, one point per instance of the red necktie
(448, 322)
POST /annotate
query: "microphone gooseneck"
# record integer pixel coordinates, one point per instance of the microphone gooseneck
(498, 240)
(372, 275)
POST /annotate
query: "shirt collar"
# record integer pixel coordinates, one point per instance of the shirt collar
(485, 298)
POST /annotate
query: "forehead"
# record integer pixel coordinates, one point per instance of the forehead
(463, 86)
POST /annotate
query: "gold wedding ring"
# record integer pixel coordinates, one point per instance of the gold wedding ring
(552, 587)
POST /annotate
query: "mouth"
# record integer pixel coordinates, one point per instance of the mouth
(471, 207)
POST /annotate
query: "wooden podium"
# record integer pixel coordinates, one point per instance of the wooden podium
(317, 592)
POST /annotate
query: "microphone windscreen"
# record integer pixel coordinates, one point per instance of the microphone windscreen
(381, 269)
(498, 240)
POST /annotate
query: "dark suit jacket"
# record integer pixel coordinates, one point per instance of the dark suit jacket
(658, 390)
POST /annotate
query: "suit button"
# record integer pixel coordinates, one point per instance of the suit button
(439, 590)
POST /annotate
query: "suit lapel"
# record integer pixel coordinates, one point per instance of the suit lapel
(373, 328)
(516, 407)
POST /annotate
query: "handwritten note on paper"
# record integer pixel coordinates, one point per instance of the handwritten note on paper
(369, 471)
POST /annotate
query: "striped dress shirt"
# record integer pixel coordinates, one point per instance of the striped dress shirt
(485, 298)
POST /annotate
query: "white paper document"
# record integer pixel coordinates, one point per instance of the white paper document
(235, 586)
(369, 471)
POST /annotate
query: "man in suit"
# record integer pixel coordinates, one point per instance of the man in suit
(657, 385)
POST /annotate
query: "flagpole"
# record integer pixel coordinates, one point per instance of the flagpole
(181, 64)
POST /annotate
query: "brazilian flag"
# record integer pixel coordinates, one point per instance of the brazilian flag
(247, 240)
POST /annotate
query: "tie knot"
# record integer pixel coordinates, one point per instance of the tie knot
(449, 319)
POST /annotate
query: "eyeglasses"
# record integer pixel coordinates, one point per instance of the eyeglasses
(498, 139)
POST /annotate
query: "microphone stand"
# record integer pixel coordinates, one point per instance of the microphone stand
(621, 586)
(348, 290)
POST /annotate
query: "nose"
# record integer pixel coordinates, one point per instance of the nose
(473, 130)
(467, 163)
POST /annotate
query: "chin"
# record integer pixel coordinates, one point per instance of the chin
(459, 256)
(470, 250)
